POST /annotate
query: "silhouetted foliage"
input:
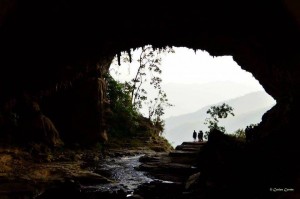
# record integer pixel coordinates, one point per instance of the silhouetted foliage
(148, 71)
(156, 107)
(240, 134)
(125, 119)
(216, 113)
(149, 61)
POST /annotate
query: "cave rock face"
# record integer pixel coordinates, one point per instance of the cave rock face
(51, 49)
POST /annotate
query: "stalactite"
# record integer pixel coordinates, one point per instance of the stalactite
(154, 48)
(119, 59)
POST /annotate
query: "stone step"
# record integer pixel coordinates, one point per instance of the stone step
(180, 153)
(193, 143)
(184, 160)
(175, 168)
(189, 147)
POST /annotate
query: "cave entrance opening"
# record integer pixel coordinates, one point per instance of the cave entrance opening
(192, 81)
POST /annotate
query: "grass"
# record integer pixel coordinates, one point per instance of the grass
(150, 141)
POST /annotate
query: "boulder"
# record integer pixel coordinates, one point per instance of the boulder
(192, 180)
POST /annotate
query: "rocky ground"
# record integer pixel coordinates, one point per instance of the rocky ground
(176, 172)
(147, 170)
(24, 175)
(174, 166)
(34, 174)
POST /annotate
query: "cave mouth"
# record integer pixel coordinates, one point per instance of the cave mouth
(194, 81)
(265, 44)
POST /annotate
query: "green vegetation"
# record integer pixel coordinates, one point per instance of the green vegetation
(124, 117)
(153, 142)
(148, 72)
(216, 113)
(240, 134)
(127, 126)
(221, 112)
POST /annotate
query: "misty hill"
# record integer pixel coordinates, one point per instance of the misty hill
(248, 109)
(200, 95)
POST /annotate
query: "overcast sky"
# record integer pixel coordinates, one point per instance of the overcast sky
(185, 67)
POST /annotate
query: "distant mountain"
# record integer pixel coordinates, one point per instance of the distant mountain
(200, 95)
(248, 109)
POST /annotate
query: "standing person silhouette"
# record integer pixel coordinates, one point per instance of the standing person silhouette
(200, 136)
(194, 135)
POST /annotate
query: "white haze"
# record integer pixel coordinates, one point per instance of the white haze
(194, 80)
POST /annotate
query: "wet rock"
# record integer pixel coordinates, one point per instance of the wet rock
(135, 196)
(68, 189)
(16, 190)
(169, 167)
(149, 158)
(88, 178)
(179, 153)
(192, 180)
(175, 166)
(160, 189)
(65, 175)
(158, 148)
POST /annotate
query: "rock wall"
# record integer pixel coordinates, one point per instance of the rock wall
(80, 109)
(51, 42)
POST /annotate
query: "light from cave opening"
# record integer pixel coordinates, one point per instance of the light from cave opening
(194, 79)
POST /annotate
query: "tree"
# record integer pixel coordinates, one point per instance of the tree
(216, 113)
(149, 63)
(157, 106)
(240, 134)
(123, 118)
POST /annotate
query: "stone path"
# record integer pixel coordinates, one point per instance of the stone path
(175, 166)
(172, 171)
(68, 172)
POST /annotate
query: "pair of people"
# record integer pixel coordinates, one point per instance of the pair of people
(249, 133)
(200, 136)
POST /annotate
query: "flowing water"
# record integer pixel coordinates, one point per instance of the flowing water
(122, 171)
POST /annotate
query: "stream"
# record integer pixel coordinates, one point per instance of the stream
(122, 171)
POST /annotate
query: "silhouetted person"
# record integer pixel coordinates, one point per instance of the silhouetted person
(194, 135)
(200, 136)
(248, 134)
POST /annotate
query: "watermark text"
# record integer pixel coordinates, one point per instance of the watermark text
(283, 189)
